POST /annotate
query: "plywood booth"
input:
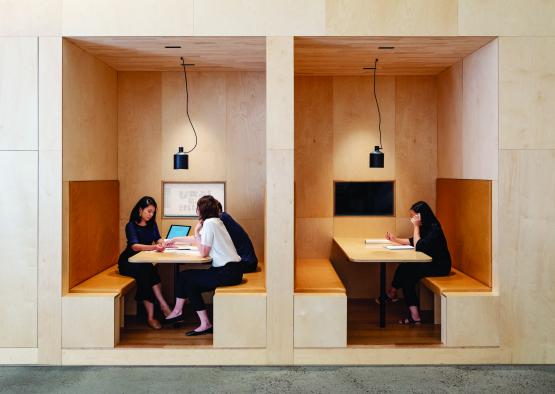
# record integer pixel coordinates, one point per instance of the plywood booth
(439, 124)
(124, 117)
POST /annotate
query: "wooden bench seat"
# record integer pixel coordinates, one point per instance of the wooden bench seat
(240, 312)
(93, 310)
(253, 282)
(107, 281)
(317, 276)
(320, 305)
(456, 281)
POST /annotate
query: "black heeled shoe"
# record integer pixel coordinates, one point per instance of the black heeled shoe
(197, 333)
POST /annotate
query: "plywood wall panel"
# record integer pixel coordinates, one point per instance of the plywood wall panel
(19, 245)
(89, 117)
(313, 237)
(415, 142)
(526, 217)
(18, 93)
(207, 109)
(314, 147)
(246, 144)
(464, 209)
(480, 117)
(93, 228)
(139, 138)
(506, 17)
(449, 122)
(526, 92)
(391, 17)
(105, 17)
(355, 127)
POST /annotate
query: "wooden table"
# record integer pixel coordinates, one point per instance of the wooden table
(174, 257)
(358, 252)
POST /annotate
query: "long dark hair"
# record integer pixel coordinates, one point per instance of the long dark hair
(144, 202)
(427, 217)
(208, 207)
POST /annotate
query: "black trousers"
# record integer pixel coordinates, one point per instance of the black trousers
(146, 276)
(408, 275)
(192, 283)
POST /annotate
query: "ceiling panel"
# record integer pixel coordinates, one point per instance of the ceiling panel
(410, 56)
(150, 54)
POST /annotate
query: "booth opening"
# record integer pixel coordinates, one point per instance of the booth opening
(430, 105)
(130, 104)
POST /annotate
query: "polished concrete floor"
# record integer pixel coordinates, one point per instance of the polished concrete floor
(387, 379)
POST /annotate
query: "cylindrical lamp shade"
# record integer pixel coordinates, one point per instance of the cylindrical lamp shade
(180, 160)
(376, 158)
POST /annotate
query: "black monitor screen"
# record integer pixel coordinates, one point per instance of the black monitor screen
(364, 198)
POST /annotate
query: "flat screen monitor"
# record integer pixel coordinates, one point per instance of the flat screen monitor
(364, 198)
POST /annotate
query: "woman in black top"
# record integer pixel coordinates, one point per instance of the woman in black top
(428, 238)
(142, 234)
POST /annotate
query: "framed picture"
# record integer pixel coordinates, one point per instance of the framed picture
(180, 198)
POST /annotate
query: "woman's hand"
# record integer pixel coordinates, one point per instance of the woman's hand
(198, 227)
(416, 220)
(390, 237)
(159, 248)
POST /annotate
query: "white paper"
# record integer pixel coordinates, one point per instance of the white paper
(398, 247)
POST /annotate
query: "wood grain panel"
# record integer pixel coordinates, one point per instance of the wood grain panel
(150, 54)
(246, 141)
(355, 127)
(313, 147)
(139, 136)
(410, 56)
(415, 142)
(93, 228)
(464, 211)
(89, 117)
(449, 122)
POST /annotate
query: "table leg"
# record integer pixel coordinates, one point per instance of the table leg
(383, 294)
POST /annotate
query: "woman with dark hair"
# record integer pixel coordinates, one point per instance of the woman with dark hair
(142, 234)
(427, 238)
(212, 239)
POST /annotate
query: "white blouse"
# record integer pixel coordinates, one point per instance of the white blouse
(215, 235)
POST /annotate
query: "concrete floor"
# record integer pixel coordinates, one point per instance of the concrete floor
(387, 379)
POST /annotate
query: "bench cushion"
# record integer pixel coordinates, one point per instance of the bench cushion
(455, 281)
(253, 282)
(316, 276)
(107, 281)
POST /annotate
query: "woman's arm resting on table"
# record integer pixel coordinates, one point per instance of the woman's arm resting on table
(147, 248)
(394, 239)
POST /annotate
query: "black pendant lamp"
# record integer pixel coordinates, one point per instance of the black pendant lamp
(376, 156)
(181, 158)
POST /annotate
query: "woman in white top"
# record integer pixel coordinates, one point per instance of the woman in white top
(212, 239)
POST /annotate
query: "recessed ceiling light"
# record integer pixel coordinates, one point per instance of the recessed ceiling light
(384, 47)
(172, 46)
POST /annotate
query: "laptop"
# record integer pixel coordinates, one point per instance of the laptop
(178, 230)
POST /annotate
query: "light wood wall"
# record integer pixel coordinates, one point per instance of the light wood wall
(228, 111)
(526, 49)
(89, 117)
(336, 127)
(468, 118)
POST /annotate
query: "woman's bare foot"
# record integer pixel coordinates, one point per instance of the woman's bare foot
(203, 327)
(153, 323)
(173, 314)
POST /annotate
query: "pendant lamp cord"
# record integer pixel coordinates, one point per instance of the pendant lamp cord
(377, 105)
(187, 104)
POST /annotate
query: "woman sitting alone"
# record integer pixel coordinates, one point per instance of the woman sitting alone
(427, 238)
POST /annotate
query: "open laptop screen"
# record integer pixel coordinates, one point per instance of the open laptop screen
(178, 230)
